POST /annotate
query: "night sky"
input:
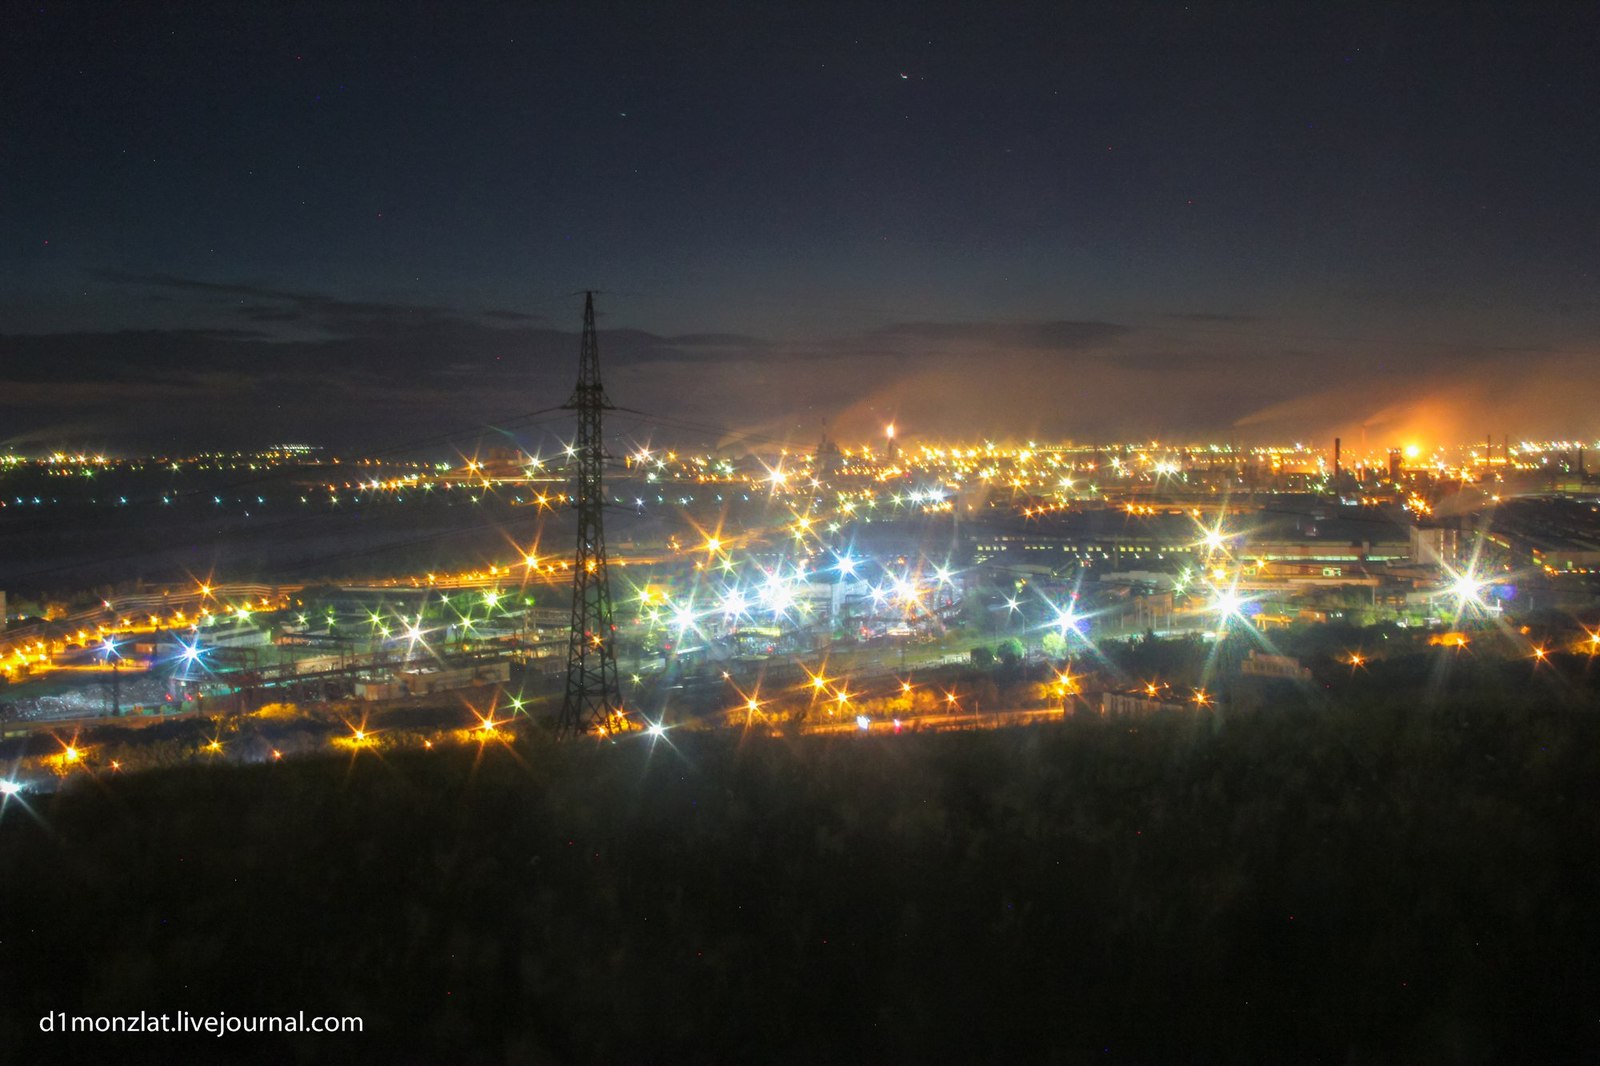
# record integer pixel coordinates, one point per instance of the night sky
(355, 224)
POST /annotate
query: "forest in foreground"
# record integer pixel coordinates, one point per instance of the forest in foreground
(1372, 883)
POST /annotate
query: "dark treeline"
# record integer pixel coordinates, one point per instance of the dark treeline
(1383, 883)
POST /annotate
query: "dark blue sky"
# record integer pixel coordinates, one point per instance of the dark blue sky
(354, 222)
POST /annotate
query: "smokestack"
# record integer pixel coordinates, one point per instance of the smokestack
(1336, 459)
(1488, 449)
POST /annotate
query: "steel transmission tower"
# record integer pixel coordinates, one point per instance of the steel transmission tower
(593, 701)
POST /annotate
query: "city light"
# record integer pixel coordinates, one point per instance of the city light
(1467, 589)
(787, 583)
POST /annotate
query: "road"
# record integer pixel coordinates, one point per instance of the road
(937, 723)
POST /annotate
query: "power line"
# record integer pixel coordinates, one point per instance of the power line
(593, 700)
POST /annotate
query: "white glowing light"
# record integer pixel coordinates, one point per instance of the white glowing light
(1467, 588)
(735, 604)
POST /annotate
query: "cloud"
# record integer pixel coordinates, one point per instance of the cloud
(348, 373)
(717, 340)
(1539, 394)
(270, 313)
(1058, 336)
(1212, 316)
(308, 301)
(268, 303)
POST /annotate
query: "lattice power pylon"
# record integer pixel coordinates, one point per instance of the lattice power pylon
(593, 702)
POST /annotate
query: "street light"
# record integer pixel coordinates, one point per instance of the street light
(1467, 589)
